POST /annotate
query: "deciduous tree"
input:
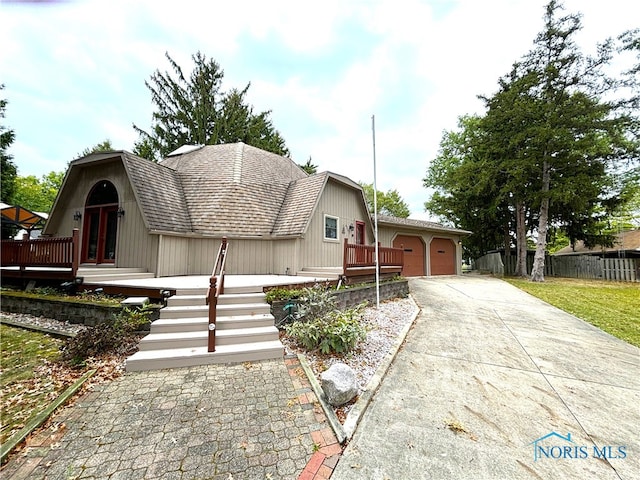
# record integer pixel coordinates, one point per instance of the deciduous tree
(8, 170)
(38, 194)
(389, 202)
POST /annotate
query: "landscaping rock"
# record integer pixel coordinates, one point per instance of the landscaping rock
(339, 384)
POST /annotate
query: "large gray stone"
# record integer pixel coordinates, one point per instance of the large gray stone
(339, 384)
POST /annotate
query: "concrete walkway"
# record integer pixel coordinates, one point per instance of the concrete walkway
(493, 384)
(252, 421)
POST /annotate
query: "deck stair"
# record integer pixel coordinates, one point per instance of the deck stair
(321, 273)
(96, 275)
(245, 331)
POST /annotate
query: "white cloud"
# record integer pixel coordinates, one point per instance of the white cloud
(419, 65)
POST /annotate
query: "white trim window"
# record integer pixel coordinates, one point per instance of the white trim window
(331, 228)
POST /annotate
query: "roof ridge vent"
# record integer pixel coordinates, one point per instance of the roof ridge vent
(237, 163)
(185, 149)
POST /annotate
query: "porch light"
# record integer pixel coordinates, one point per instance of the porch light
(120, 212)
(77, 216)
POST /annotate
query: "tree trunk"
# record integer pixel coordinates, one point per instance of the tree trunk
(521, 241)
(537, 272)
(507, 240)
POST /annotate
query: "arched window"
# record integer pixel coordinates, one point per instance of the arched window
(100, 231)
(102, 193)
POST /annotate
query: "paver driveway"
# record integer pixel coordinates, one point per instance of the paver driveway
(214, 422)
(486, 371)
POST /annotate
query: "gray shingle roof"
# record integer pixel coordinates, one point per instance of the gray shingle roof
(418, 224)
(299, 204)
(233, 189)
(159, 194)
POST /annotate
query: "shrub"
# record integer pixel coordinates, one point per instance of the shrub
(279, 293)
(315, 303)
(108, 337)
(337, 331)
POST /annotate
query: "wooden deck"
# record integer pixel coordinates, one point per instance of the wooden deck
(359, 262)
(41, 258)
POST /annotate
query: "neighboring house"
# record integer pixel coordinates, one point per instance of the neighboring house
(626, 245)
(169, 217)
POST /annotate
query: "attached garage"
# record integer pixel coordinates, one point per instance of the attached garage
(442, 253)
(429, 248)
(413, 254)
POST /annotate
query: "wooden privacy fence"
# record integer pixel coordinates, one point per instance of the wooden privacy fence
(621, 269)
(574, 266)
(41, 257)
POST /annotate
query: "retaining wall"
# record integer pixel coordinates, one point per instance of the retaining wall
(350, 297)
(72, 312)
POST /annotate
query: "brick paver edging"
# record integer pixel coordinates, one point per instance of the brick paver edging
(327, 448)
(329, 439)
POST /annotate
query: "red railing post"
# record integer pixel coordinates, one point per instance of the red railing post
(216, 288)
(75, 251)
(344, 257)
(212, 301)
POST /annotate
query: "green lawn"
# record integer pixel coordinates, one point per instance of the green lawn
(611, 306)
(27, 381)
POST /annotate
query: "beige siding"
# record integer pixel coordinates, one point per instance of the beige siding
(344, 203)
(173, 254)
(202, 254)
(135, 247)
(285, 259)
(244, 256)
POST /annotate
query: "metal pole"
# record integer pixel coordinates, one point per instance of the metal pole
(375, 210)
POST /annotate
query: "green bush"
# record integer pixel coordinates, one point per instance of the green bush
(337, 331)
(315, 303)
(279, 293)
(108, 337)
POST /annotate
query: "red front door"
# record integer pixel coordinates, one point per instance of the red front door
(360, 233)
(100, 227)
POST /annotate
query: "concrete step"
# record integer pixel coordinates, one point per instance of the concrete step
(190, 291)
(320, 273)
(240, 298)
(228, 290)
(334, 270)
(192, 311)
(186, 300)
(165, 341)
(196, 324)
(93, 270)
(226, 299)
(114, 277)
(188, 357)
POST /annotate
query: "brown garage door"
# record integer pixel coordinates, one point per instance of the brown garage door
(413, 255)
(443, 256)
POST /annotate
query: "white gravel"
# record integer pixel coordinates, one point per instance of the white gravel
(43, 322)
(384, 325)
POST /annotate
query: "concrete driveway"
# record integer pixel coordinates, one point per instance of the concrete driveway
(493, 383)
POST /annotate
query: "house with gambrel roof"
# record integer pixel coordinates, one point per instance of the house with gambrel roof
(168, 218)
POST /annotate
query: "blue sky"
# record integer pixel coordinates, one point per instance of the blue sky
(74, 71)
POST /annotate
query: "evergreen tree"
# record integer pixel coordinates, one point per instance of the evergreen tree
(194, 110)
